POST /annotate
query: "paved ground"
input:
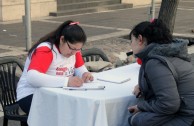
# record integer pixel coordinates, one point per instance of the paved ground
(104, 30)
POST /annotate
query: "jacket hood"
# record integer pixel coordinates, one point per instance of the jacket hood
(178, 48)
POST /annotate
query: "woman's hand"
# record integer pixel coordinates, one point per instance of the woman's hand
(87, 76)
(133, 109)
(136, 91)
(75, 82)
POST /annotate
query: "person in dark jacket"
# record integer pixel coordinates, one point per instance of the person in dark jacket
(167, 100)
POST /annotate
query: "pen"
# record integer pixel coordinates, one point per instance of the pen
(85, 89)
(97, 88)
(78, 89)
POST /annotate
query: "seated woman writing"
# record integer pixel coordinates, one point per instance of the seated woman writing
(54, 61)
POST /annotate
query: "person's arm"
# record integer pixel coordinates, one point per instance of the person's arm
(80, 71)
(40, 62)
(41, 59)
(38, 79)
(80, 68)
(167, 100)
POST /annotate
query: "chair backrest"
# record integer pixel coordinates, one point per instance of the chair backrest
(10, 71)
(94, 54)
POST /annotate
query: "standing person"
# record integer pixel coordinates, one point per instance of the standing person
(54, 61)
(167, 101)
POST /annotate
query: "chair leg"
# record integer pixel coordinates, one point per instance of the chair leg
(23, 123)
(5, 122)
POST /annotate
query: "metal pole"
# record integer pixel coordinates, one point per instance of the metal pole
(28, 25)
(152, 11)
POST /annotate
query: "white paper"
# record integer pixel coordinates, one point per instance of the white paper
(119, 79)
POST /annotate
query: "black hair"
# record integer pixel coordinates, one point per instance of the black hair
(72, 33)
(154, 32)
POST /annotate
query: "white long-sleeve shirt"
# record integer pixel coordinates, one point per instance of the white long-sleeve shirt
(48, 68)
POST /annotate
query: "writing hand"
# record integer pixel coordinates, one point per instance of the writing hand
(75, 82)
(87, 76)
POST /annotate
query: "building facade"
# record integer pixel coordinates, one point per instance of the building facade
(11, 10)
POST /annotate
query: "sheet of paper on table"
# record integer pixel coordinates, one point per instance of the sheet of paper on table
(118, 79)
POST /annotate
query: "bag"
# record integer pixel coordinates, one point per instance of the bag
(98, 66)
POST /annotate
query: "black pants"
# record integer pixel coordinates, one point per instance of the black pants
(25, 103)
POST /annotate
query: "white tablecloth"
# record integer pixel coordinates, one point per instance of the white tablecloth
(108, 107)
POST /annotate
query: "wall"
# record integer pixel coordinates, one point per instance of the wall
(0, 9)
(11, 10)
(15, 9)
(139, 2)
